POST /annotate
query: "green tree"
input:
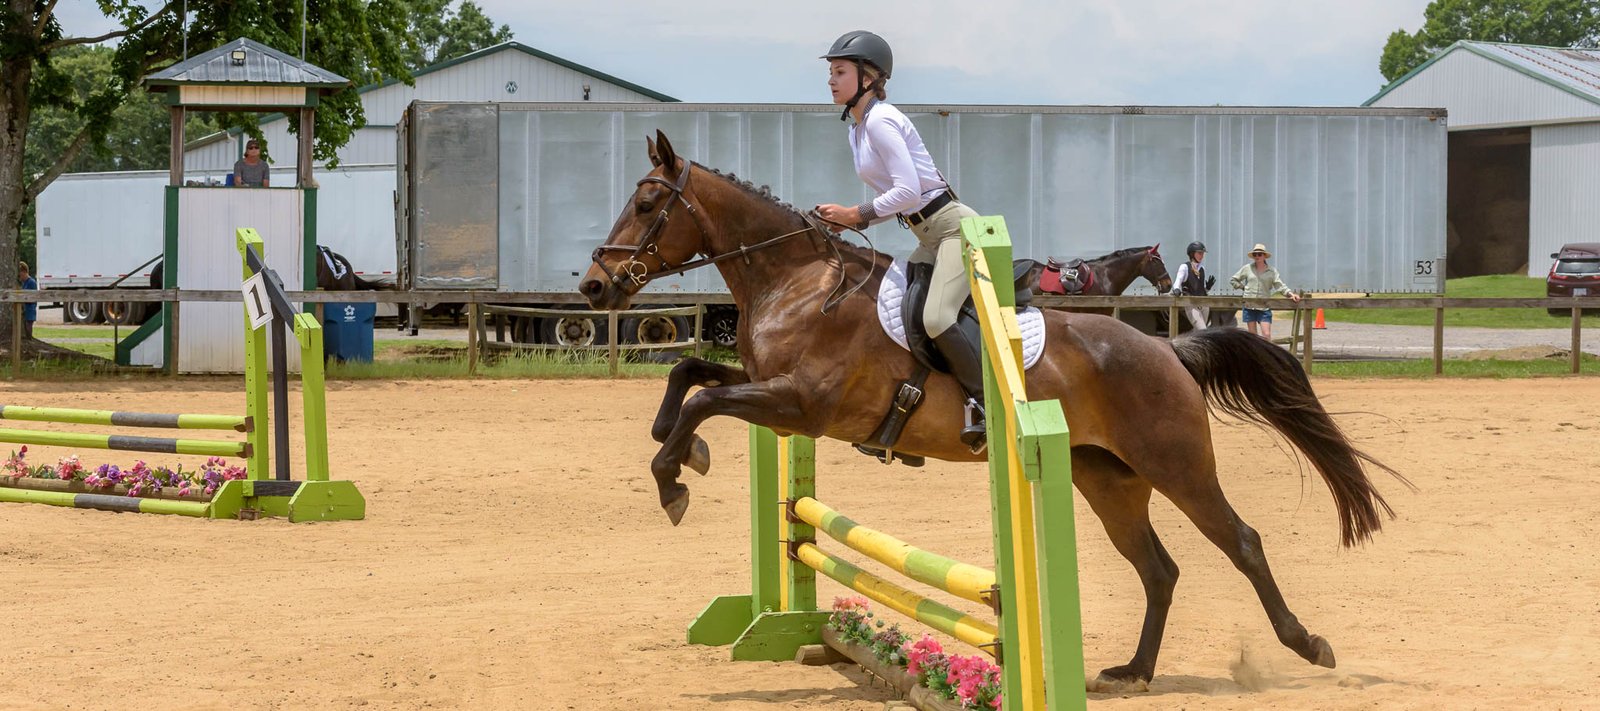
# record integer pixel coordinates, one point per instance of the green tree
(438, 33)
(363, 40)
(138, 137)
(1553, 23)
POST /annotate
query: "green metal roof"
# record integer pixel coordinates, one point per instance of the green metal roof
(503, 46)
(525, 49)
(261, 65)
(1573, 70)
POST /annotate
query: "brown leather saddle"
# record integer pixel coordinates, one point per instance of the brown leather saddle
(1071, 278)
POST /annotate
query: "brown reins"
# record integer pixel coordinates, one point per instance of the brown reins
(634, 270)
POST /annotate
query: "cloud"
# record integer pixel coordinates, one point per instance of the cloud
(1014, 51)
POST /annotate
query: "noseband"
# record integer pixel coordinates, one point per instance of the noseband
(631, 269)
(635, 271)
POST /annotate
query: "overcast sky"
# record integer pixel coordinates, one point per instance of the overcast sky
(1197, 52)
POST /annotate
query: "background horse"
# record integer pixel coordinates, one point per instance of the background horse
(1136, 406)
(1113, 274)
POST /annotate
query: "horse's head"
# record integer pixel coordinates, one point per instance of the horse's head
(1155, 270)
(645, 241)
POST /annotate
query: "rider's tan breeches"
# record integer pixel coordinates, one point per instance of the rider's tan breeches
(939, 242)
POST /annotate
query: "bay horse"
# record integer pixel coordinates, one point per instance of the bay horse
(1113, 274)
(816, 362)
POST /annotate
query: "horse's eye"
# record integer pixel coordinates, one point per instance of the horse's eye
(645, 206)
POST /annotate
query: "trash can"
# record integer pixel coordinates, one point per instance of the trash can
(347, 331)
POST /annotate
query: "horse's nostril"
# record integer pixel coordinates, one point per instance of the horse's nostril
(591, 288)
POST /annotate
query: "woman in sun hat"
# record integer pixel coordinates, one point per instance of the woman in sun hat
(1260, 281)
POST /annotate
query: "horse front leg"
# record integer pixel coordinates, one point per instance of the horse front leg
(692, 372)
(772, 403)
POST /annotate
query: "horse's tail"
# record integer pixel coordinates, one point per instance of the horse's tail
(1248, 377)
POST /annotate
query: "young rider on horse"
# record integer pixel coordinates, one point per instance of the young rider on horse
(892, 160)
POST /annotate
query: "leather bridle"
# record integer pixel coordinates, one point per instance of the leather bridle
(633, 270)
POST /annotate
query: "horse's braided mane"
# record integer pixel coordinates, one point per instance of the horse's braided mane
(749, 187)
(765, 192)
(1123, 253)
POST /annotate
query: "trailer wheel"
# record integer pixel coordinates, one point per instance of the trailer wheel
(654, 330)
(722, 327)
(83, 312)
(573, 331)
(123, 313)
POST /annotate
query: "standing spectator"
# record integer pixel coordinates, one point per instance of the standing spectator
(1260, 281)
(250, 171)
(1192, 281)
(30, 310)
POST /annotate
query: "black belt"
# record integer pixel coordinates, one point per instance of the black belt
(935, 205)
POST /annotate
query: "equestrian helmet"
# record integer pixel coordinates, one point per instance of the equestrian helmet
(1196, 247)
(864, 46)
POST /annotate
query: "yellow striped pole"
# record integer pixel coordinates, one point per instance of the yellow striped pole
(965, 581)
(126, 443)
(104, 502)
(113, 418)
(962, 626)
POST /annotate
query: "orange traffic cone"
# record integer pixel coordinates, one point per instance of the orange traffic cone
(1319, 324)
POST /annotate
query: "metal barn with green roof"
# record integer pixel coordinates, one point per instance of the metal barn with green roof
(1524, 165)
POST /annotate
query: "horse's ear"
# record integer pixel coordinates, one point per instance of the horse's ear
(664, 151)
(1156, 250)
(655, 158)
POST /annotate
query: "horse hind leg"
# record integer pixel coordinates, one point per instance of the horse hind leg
(1122, 501)
(1210, 511)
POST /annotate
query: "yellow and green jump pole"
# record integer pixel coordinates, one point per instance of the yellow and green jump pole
(1038, 638)
(314, 499)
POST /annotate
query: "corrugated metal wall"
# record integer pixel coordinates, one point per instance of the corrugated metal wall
(1348, 200)
(1480, 93)
(1565, 202)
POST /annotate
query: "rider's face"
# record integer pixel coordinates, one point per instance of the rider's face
(842, 80)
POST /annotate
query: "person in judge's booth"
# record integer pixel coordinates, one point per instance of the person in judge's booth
(251, 171)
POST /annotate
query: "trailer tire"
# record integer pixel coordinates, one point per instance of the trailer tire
(82, 312)
(654, 330)
(722, 326)
(573, 331)
(123, 313)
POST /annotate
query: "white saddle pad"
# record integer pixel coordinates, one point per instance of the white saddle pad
(893, 293)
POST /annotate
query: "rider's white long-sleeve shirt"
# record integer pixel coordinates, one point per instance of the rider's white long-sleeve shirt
(892, 160)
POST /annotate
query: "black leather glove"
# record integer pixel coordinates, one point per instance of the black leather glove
(1210, 283)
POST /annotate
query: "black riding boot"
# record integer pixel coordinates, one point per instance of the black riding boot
(961, 348)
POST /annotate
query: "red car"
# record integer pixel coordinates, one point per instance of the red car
(1576, 272)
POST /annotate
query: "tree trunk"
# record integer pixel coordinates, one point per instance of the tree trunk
(17, 72)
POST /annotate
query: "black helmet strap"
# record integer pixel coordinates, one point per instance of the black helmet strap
(861, 90)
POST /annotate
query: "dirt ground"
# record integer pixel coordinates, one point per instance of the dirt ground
(514, 558)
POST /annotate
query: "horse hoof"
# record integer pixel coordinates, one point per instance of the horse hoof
(676, 507)
(1321, 652)
(699, 456)
(1104, 684)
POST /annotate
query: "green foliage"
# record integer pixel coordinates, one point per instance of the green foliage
(138, 136)
(1553, 23)
(438, 34)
